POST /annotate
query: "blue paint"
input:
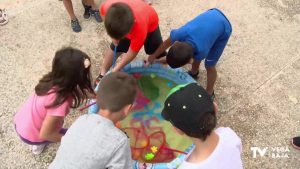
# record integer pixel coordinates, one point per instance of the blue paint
(170, 84)
(149, 112)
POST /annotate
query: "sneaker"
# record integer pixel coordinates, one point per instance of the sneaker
(3, 17)
(75, 25)
(296, 142)
(87, 9)
(38, 149)
(96, 14)
(195, 76)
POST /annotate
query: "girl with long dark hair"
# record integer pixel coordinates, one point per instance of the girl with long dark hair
(39, 120)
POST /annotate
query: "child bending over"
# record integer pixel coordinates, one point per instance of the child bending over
(39, 120)
(203, 38)
(191, 111)
(131, 24)
(93, 141)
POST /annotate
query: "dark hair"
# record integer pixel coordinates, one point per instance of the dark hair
(200, 128)
(118, 20)
(116, 90)
(179, 54)
(68, 78)
(204, 126)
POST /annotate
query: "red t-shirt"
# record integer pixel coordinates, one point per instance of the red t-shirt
(146, 20)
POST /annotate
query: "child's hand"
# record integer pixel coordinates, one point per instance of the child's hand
(146, 63)
(151, 59)
(115, 42)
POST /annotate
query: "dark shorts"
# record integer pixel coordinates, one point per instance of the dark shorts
(152, 42)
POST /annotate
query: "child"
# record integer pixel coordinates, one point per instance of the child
(205, 37)
(191, 111)
(93, 141)
(131, 24)
(39, 120)
(89, 9)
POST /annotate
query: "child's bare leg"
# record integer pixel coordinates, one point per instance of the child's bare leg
(107, 62)
(69, 7)
(211, 79)
(195, 67)
(90, 3)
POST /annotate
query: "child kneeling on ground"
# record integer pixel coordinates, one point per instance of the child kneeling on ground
(192, 112)
(93, 141)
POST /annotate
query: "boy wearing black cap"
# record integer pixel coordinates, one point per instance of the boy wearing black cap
(191, 111)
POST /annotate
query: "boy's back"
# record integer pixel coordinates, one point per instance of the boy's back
(93, 142)
(203, 31)
(146, 20)
(227, 154)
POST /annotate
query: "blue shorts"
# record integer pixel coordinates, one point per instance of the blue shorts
(217, 49)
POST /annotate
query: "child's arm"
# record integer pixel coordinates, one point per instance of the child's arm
(162, 60)
(127, 58)
(49, 130)
(165, 45)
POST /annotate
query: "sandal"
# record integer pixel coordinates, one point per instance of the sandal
(98, 79)
(3, 17)
(75, 25)
(195, 76)
(96, 15)
(87, 9)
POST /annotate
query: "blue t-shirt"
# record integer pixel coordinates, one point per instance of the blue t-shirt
(202, 32)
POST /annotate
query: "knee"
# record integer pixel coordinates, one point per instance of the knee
(211, 69)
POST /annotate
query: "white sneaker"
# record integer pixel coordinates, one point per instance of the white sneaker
(38, 149)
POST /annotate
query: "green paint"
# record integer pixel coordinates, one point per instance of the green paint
(149, 156)
(150, 90)
(174, 140)
(152, 75)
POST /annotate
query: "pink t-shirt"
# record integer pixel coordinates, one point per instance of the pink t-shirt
(30, 117)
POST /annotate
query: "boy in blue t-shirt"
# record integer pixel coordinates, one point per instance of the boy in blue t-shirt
(204, 37)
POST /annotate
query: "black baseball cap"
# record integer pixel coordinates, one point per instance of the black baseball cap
(186, 105)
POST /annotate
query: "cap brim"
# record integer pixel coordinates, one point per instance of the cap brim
(165, 115)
